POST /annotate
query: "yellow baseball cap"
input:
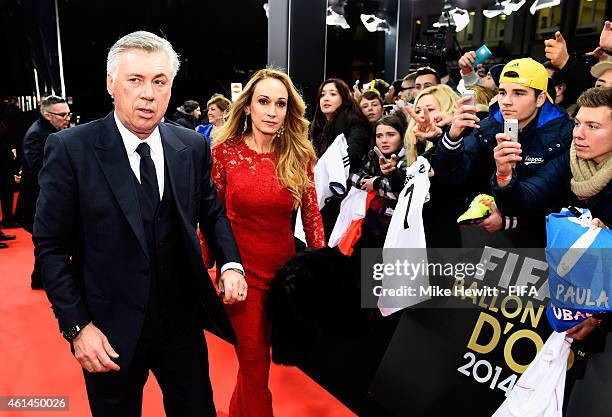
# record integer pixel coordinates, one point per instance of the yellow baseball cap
(530, 74)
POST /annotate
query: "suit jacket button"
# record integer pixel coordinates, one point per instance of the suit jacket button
(142, 307)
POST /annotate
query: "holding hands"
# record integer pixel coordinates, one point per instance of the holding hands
(233, 286)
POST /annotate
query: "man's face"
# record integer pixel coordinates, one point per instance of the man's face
(407, 91)
(605, 79)
(593, 133)
(58, 115)
(141, 90)
(519, 102)
(371, 109)
(424, 81)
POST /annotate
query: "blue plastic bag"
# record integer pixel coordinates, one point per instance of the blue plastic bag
(580, 268)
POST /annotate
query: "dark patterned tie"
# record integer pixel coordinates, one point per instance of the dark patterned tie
(148, 177)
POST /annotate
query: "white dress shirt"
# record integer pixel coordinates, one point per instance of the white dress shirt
(131, 142)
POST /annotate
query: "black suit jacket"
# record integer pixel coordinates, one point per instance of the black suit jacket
(33, 152)
(90, 240)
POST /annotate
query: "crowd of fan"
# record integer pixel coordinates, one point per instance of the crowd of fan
(562, 156)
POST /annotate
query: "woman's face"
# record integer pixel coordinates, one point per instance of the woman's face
(388, 140)
(268, 106)
(330, 100)
(371, 109)
(215, 115)
(431, 103)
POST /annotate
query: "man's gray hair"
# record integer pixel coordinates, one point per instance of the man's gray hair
(49, 101)
(143, 40)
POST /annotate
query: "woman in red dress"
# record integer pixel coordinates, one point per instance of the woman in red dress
(263, 169)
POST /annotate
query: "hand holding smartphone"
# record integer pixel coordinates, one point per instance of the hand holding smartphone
(379, 153)
(511, 129)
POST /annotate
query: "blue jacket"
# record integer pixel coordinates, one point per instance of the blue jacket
(205, 130)
(548, 190)
(472, 164)
(545, 138)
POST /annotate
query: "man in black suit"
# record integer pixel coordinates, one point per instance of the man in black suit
(115, 233)
(10, 116)
(54, 116)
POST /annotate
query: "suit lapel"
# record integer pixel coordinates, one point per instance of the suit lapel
(113, 159)
(178, 165)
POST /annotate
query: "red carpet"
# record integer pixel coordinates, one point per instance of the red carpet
(36, 361)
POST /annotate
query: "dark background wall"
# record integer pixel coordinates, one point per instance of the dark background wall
(220, 42)
(226, 41)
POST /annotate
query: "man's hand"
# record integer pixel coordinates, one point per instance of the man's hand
(506, 155)
(233, 286)
(93, 351)
(582, 329)
(466, 62)
(14, 152)
(465, 117)
(605, 39)
(494, 222)
(598, 53)
(368, 184)
(387, 166)
(556, 50)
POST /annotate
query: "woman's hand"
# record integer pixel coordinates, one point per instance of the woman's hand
(368, 184)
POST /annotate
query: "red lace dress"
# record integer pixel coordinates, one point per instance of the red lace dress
(260, 210)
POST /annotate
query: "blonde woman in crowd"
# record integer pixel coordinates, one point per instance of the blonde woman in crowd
(217, 109)
(433, 109)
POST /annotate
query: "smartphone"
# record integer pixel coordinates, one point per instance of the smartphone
(379, 153)
(470, 94)
(482, 54)
(511, 129)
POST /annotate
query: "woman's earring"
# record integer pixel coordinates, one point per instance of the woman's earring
(246, 123)
(280, 131)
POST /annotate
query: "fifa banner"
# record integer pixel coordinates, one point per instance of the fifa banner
(475, 320)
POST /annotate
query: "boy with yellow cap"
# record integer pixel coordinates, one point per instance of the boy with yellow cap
(464, 155)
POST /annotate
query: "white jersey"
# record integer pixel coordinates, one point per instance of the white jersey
(406, 227)
(330, 175)
(406, 232)
(539, 391)
(332, 171)
(353, 207)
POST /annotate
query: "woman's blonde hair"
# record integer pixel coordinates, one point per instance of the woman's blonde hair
(293, 149)
(220, 101)
(447, 98)
(483, 96)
